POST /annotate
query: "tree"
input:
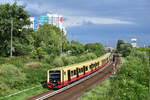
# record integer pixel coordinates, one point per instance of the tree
(76, 48)
(96, 48)
(132, 80)
(16, 15)
(124, 48)
(119, 43)
(49, 39)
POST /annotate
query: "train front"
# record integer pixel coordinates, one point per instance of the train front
(54, 79)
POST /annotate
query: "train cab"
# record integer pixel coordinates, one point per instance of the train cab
(54, 79)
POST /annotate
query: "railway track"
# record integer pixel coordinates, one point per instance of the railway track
(77, 89)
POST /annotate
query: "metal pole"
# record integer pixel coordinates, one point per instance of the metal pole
(61, 41)
(11, 38)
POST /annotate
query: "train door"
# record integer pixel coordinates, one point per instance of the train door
(77, 70)
(62, 75)
(69, 75)
(84, 69)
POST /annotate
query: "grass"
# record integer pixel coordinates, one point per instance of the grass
(25, 95)
(31, 72)
(99, 93)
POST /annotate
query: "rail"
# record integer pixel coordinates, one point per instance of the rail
(73, 84)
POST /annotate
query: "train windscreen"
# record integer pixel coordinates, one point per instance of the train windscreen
(54, 76)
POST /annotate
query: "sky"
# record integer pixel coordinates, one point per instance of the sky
(104, 21)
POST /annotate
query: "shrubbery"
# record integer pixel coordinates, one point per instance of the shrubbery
(124, 48)
(35, 52)
(11, 75)
(58, 62)
(68, 59)
(3, 88)
(132, 80)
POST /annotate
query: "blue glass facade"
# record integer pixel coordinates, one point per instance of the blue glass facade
(35, 23)
(43, 19)
(53, 19)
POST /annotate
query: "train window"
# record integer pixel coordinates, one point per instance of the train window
(86, 68)
(74, 72)
(81, 69)
(71, 73)
(95, 65)
(90, 67)
(64, 72)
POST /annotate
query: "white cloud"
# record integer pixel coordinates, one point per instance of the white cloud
(71, 21)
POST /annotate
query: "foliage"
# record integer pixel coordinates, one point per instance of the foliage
(48, 40)
(16, 15)
(3, 88)
(68, 59)
(91, 56)
(32, 65)
(58, 62)
(11, 75)
(98, 93)
(23, 46)
(124, 48)
(119, 43)
(34, 52)
(48, 58)
(87, 56)
(36, 75)
(76, 48)
(96, 48)
(132, 80)
(18, 61)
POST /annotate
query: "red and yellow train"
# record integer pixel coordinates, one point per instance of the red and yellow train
(62, 76)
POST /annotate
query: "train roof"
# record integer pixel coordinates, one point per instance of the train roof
(81, 63)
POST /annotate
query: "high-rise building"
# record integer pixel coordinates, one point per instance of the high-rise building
(134, 42)
(32, 24)
(53, 19)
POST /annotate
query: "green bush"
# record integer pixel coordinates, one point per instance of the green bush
(82, 58)
(90, 56)
(69, 59)
(132, 80)
(32, 65)
(3, 88)
(34, 54)
(16, 61)
(58, 62)
(98, 93)
(48, 59)
(11, 75)
(36, 75)
(41, 52)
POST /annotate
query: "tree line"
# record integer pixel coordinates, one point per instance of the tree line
(47, 40)
(35, 52)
